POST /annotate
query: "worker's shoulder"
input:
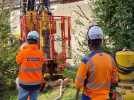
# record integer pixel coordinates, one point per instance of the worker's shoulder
(22, 51)
(109, 56)
(105, 54)
(85, 59)
(32, 51)
(40, 52)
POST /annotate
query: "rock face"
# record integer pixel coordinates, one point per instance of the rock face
(9, 3)
(79, 23)
(15, 21)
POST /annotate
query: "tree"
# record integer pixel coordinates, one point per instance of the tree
(8, 48)
(117, 19)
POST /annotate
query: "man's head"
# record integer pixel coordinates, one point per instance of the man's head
(33, 37)
(95, 37)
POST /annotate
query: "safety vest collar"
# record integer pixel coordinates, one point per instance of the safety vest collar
(32, 46)
(85, 58)
(93, 52)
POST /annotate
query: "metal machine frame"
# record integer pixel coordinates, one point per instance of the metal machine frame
(37, 16)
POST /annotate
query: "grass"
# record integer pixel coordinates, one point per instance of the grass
(69, 94)
(8, 95)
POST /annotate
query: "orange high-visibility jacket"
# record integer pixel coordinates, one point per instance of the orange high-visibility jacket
(30, 60)
(99, 72)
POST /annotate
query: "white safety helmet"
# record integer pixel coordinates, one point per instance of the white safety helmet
(95, 32)
(33, 35)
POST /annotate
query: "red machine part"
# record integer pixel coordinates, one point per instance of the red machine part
(65, 35)
(51, 36)
(23, 28)
(65, 24)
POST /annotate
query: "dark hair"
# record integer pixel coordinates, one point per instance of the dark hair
(96, 43)
(32, 41)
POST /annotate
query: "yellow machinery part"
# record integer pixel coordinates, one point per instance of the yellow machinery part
(129, 96)
(44, 25)
(31, 19)
(125, 58)
(126, 77)
(46, 75)
(125, 91)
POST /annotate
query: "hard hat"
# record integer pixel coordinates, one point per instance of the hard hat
(95, 32)
(34, 35)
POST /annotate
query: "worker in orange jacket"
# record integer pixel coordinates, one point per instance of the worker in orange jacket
(30, 74)
(97, 71)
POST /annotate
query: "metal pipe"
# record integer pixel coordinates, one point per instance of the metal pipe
(61, 89)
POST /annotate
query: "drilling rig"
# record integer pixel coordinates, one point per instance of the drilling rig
(54, 32)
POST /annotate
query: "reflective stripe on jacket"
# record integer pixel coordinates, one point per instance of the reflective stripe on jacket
(30, 60)
(98, 72)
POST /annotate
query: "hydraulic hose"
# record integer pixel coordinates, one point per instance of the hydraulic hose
(61, 89)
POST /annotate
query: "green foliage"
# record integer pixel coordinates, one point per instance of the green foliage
(71, 72)
(8, 95)
(117, 19)
(68, 94)
(8, 49)
(7, 55)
